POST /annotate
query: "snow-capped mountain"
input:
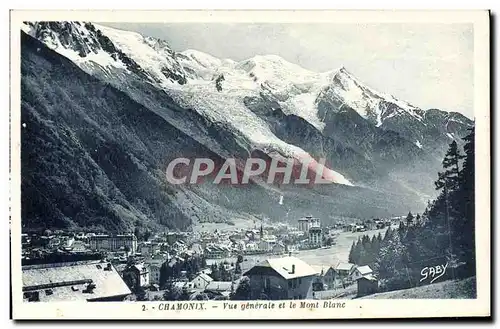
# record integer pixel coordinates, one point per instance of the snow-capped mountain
(95, 47)
(272, 108)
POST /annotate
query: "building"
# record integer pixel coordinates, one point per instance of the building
(367, 285)
(344, 271)
(303, 224)
(279, 248)
(114, 243)
(145, 248)
(327, 276)
(154, 273)
(281, 278)
(361, 271)
(201, 281)
(307, 222)
(215, 251)
(139, 273)
(267, 243)
(315, 237)
(172, 237)
(219, 288)
(73, 281)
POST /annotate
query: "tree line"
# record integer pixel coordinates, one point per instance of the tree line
(444, 234)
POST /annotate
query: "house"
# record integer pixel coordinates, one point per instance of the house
(197, 248)
(291, 248)
(344, 271)
(327, 275)
(361, 271)
(146, 248)
(73, 281)
(140, 273)
(264, 246)
(206, 271)
(201, 281)
(281, 278)
(240, 246)
(279, 248)
(219, 288)
(251, 248)
(178, 247)
(367, 285)
(154, 273)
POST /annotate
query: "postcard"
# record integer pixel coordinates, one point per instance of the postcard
(250, 164)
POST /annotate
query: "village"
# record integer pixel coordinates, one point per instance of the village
(272, 261)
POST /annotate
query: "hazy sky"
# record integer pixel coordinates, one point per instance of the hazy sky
(428, 65)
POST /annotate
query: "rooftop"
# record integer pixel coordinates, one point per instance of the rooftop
(344, 266)
(66, 281)
(288, 267)
(364, 269)
(219, 286)
(205, 277)
(321, 269)
(369, 277)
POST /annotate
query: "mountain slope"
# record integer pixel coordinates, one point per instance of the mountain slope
(91, 157)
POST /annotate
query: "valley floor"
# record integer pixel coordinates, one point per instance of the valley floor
(326, 257)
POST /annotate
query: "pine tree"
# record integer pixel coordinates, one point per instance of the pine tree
(448, 180)
(467, 175)
(358, 252)
(465, 227)
(390, 264)
(388, 234)
(351, 253)
(243, 292)
(409, 218)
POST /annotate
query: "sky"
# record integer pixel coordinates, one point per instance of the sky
(428, 65)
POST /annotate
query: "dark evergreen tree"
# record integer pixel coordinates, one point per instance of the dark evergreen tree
(243, 292)
(409, 218)
(388, 234)
(449, 178)
(466, 203)
(351, 253)
(215, 272)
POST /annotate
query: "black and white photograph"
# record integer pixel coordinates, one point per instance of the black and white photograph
(250, 166)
